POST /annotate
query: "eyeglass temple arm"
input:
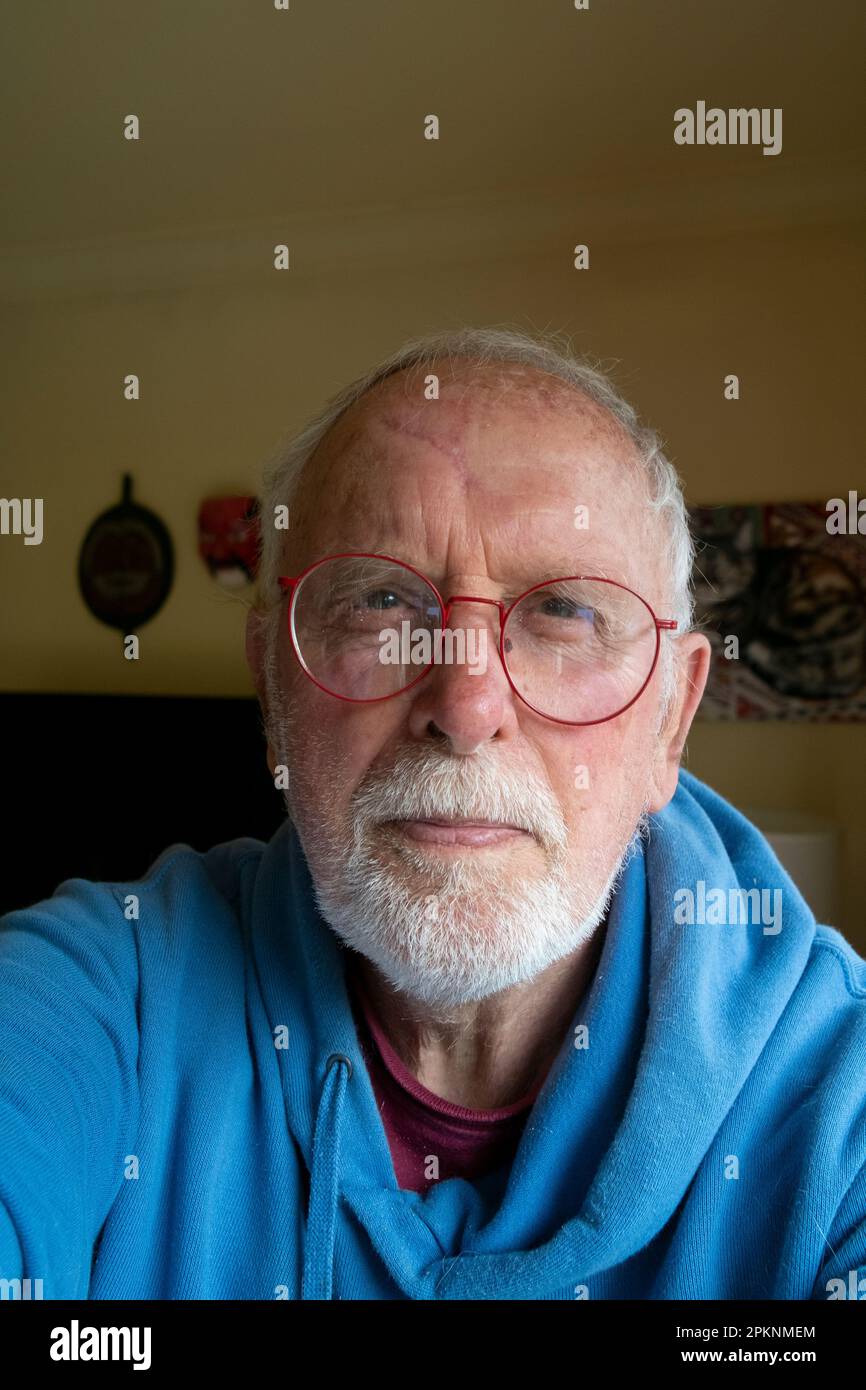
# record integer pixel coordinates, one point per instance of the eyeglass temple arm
(670, 624)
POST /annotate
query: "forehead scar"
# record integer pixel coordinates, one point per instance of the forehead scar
(445, 442)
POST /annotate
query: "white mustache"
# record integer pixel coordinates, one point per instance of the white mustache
(427, 784)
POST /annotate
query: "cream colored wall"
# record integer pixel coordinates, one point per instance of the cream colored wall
(226, 371)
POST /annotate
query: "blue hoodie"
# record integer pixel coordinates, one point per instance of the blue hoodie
(185, 1111)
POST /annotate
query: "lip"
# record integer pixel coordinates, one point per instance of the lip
(458, 833)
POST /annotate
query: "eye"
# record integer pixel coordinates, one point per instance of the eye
(556, 607)
(380, 599)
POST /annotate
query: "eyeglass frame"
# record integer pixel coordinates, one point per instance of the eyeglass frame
(290, 585)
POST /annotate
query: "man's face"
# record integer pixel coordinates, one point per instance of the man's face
(478, 491)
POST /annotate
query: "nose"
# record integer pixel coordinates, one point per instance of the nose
(466, 701)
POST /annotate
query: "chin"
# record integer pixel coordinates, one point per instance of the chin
(451, 945)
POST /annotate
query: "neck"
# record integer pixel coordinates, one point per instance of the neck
(491, 1053)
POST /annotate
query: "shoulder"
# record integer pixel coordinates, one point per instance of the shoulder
(821, 1048)
(835, 957)
(832, 993)
(183, 889)
(832, 997)
(198, 875)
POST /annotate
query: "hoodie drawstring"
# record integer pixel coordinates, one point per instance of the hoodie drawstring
(318, 1276)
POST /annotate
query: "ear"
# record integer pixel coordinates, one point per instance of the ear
(256, 650)
(692, 669)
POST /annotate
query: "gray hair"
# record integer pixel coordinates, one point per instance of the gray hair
(549, 353)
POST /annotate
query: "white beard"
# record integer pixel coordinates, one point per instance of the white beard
(463, 940)
(448, 932)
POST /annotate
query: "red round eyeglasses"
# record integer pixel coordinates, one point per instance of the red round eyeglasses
(577, 649)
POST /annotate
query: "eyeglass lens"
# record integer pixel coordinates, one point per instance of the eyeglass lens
(575, 649)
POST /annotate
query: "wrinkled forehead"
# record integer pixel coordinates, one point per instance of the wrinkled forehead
(507, 450)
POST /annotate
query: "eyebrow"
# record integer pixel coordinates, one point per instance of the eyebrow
(563, 566)
(520, 579)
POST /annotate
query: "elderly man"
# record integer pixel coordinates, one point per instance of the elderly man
(510, 1007)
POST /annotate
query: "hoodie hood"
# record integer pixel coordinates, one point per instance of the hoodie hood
(676, 1016)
